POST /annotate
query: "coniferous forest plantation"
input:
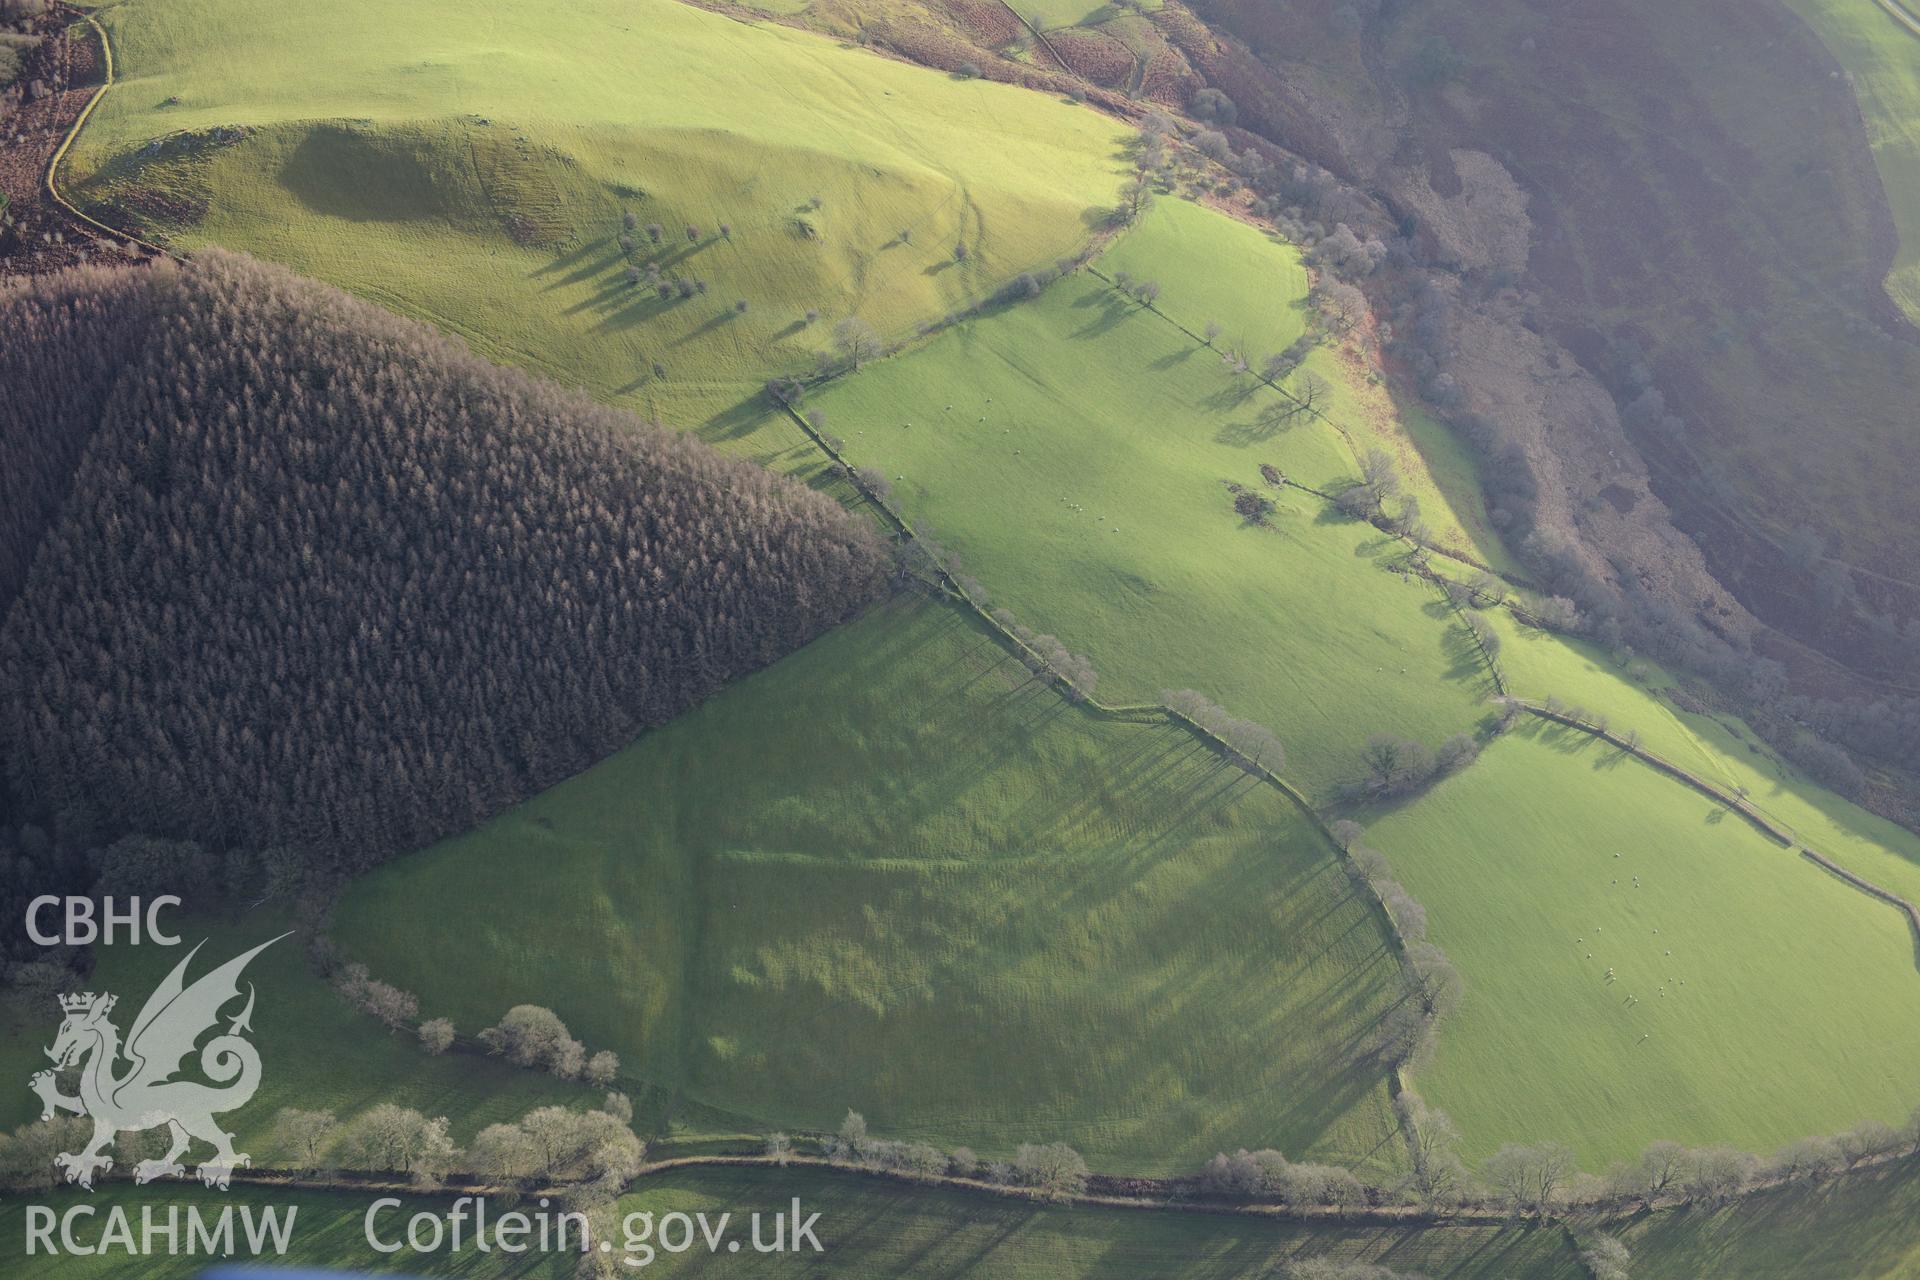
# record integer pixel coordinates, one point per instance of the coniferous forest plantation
(297, 522)
(1207, 638)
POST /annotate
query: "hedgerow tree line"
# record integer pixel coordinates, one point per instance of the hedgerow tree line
(290, 572)
(529, 1035)
(1409, 1030)
(1545, 1178)
(1050, 1169)
(594, 1152)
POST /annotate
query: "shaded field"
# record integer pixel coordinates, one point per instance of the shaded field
(893, 873)
(877, 1228)
(1863, 1225)
(871, 1228)
(1754, 998)
(472, 169)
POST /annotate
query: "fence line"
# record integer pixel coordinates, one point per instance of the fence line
(1039, 35)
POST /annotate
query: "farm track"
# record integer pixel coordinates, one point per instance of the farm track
(49, 234)
(60, 153)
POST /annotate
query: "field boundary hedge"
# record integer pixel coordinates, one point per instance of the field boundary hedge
(1154, 1195)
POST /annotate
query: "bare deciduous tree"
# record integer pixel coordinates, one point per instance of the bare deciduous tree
(1528, 1179)
(857, 341)
(504, 1153)
(303, 1136)
(436, 1035)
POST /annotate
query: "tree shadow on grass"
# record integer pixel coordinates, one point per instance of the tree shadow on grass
(1102, 846)
(1373, 544)
(720, 320)
(1271, 420)
(641, 306)
(614, 296)
(1330, 512)
(1230, 397)
(1462, 652)
(1863, 1223)
(1113, 311)
(574, 267)
(1551, 733)
(740, 420)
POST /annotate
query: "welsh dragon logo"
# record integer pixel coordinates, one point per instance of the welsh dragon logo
(144, 1095)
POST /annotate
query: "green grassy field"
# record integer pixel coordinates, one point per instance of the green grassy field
(1049, 14)
(1080, 474)
(1882, 58)
(472, 169)
(1216, 269)
(871, 1228)
(1736, 1035)
(1719, 748)
(315, 1050)
(893, 874)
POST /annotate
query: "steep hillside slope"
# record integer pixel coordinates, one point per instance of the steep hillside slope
(1682, 225)
(499, 172)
